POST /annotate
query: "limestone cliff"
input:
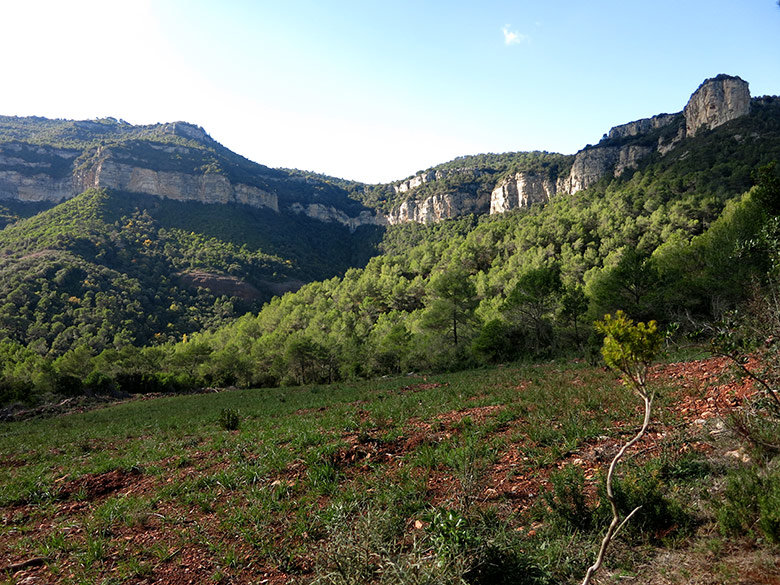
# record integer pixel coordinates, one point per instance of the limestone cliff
(590, 165)
(438, 207)
(433, 175)
(716, 101)
(438, 194)
(177, 161)
(415, 181)
(34, 187)
(36, 173)
(521, 190)
(180, 161)
(629, 157)
(202, 187)
(331, 214)
(642, 126)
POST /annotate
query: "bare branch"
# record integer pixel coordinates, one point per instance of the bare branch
(615, 525)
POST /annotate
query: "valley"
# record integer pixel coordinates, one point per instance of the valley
(216, 371)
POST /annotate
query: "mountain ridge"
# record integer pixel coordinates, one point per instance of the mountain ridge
(180, 161)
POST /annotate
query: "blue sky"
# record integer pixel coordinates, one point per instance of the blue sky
(377, 90)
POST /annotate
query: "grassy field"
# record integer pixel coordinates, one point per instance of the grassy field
(485, 476)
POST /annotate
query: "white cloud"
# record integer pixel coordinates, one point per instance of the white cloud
(513, 37)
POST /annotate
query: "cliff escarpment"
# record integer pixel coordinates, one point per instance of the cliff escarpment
(54, 160)
(480, 184)
(717, 101)
(123, 172)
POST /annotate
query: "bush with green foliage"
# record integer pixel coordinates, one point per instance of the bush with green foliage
(750, 504)
(229, 419)
(569, 510)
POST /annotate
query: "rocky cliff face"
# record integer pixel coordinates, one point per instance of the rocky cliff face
(444, 205)
(433, 175)
(331, 214)
(629, 157)
(36, 173)
(521, 190)
(438, 207)
(590, 166)
(642, 126)
(40, 173)
(204, 188)
(37, 187)
(414, 182)
(717, 101)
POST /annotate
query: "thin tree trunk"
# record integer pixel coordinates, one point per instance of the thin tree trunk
(615, 525)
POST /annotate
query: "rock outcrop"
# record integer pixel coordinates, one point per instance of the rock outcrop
(34, 188)
(642, 126)
(629, 157)
(331, 214)
(590, 165)
(39, 173)
(36, 173)
(438, 207)
(204, 188)
(716, 101)
(414, 182)
(187, 130)
(433, 175)
(521, 190)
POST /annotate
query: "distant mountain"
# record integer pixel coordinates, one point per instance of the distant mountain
(221, 234)
(108, 264)
(496, 183)
(140, 234)
(53, 160)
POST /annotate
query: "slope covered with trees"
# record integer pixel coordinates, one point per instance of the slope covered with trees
(473, 174)
(111, 268)
(680, 239)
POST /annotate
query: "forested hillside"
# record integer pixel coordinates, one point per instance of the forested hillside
(474, 174)
(681, 239)
(34, 146)
(108, 269)
(144, 291)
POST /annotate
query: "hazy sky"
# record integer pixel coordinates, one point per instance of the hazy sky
(376, 90)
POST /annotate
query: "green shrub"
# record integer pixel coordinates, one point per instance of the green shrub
(229, 419)
(498, 565)
(450, 532)
(750, 505)
(68, 385)
(99, 383)
(769, 509)
(659, 515)
(568, 508)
